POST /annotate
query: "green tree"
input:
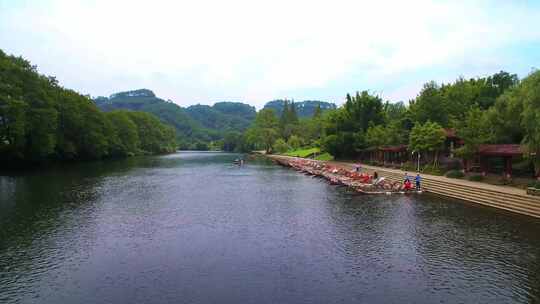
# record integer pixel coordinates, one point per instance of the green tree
(309, 129)
(350, 122)
(13, 125)
(495, 86)
(376, 136)
(529, 91)
(362, 110)
(293, 117)
(430, 105)
(281, 146)
(428, 138)
(318, 112)
(124, 140)
(295, 142)
(288, 121)
(284, 119)
(264, 130)
(41, 138)
(332, 145)
(474, 130)
(505, 118)
(40, 120)
(153, 135)
(232, 141)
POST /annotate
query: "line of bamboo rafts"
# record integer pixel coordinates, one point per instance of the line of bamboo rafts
(361, 182)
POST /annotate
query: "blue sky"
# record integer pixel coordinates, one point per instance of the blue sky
(255, 51)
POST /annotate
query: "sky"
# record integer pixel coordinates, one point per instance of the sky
(255, 51)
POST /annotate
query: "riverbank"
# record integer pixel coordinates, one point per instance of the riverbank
(500, 197)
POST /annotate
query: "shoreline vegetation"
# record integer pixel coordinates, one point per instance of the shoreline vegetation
(441, 131)
(40, 122)
(482, 129)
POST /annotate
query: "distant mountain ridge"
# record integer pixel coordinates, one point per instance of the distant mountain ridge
(304, 108)
(223, 115)
(145, 100)
(197, 123)
(200, 123)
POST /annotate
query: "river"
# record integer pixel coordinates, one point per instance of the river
(193, 228)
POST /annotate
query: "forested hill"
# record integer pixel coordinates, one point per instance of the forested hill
(197, 126)
(234, 116)
(303, 109)
(40, 120)
(146, 101)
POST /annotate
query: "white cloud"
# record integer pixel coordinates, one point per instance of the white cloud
(204, 51)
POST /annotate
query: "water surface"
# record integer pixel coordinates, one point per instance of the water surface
(193, 228)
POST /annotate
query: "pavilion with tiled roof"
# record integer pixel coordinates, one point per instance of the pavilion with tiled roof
(505, 151)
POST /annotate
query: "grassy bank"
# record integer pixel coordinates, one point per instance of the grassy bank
(305, 152)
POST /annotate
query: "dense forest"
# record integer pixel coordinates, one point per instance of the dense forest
(199, 127)
(203, 127)
(499, 109)
(40, 120)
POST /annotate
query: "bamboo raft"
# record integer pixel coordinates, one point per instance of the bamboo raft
(359, 182)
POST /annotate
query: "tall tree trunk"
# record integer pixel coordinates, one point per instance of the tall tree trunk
(536, 163)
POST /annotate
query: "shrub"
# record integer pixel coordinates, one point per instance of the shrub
(307, 152)
(432, 170)
(534, 184)
(504, 181)
(408, 167)
(295, 142)
(451, 164)
(396, 166)
(454, 174)
(476, 178)
(325, 157)
(281, 146)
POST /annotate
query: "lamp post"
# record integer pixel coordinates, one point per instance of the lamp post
(418, 162)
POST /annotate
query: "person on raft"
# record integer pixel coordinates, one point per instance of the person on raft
(418, 180)
(365, 178)
(407, 186)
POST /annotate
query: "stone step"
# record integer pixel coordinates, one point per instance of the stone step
(493, 195)
(489, 198)
(514, 200)
(479, 188)
(493, 198)
(432, 182)
(488, 203)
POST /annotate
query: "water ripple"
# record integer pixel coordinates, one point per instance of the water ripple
(191, 228)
